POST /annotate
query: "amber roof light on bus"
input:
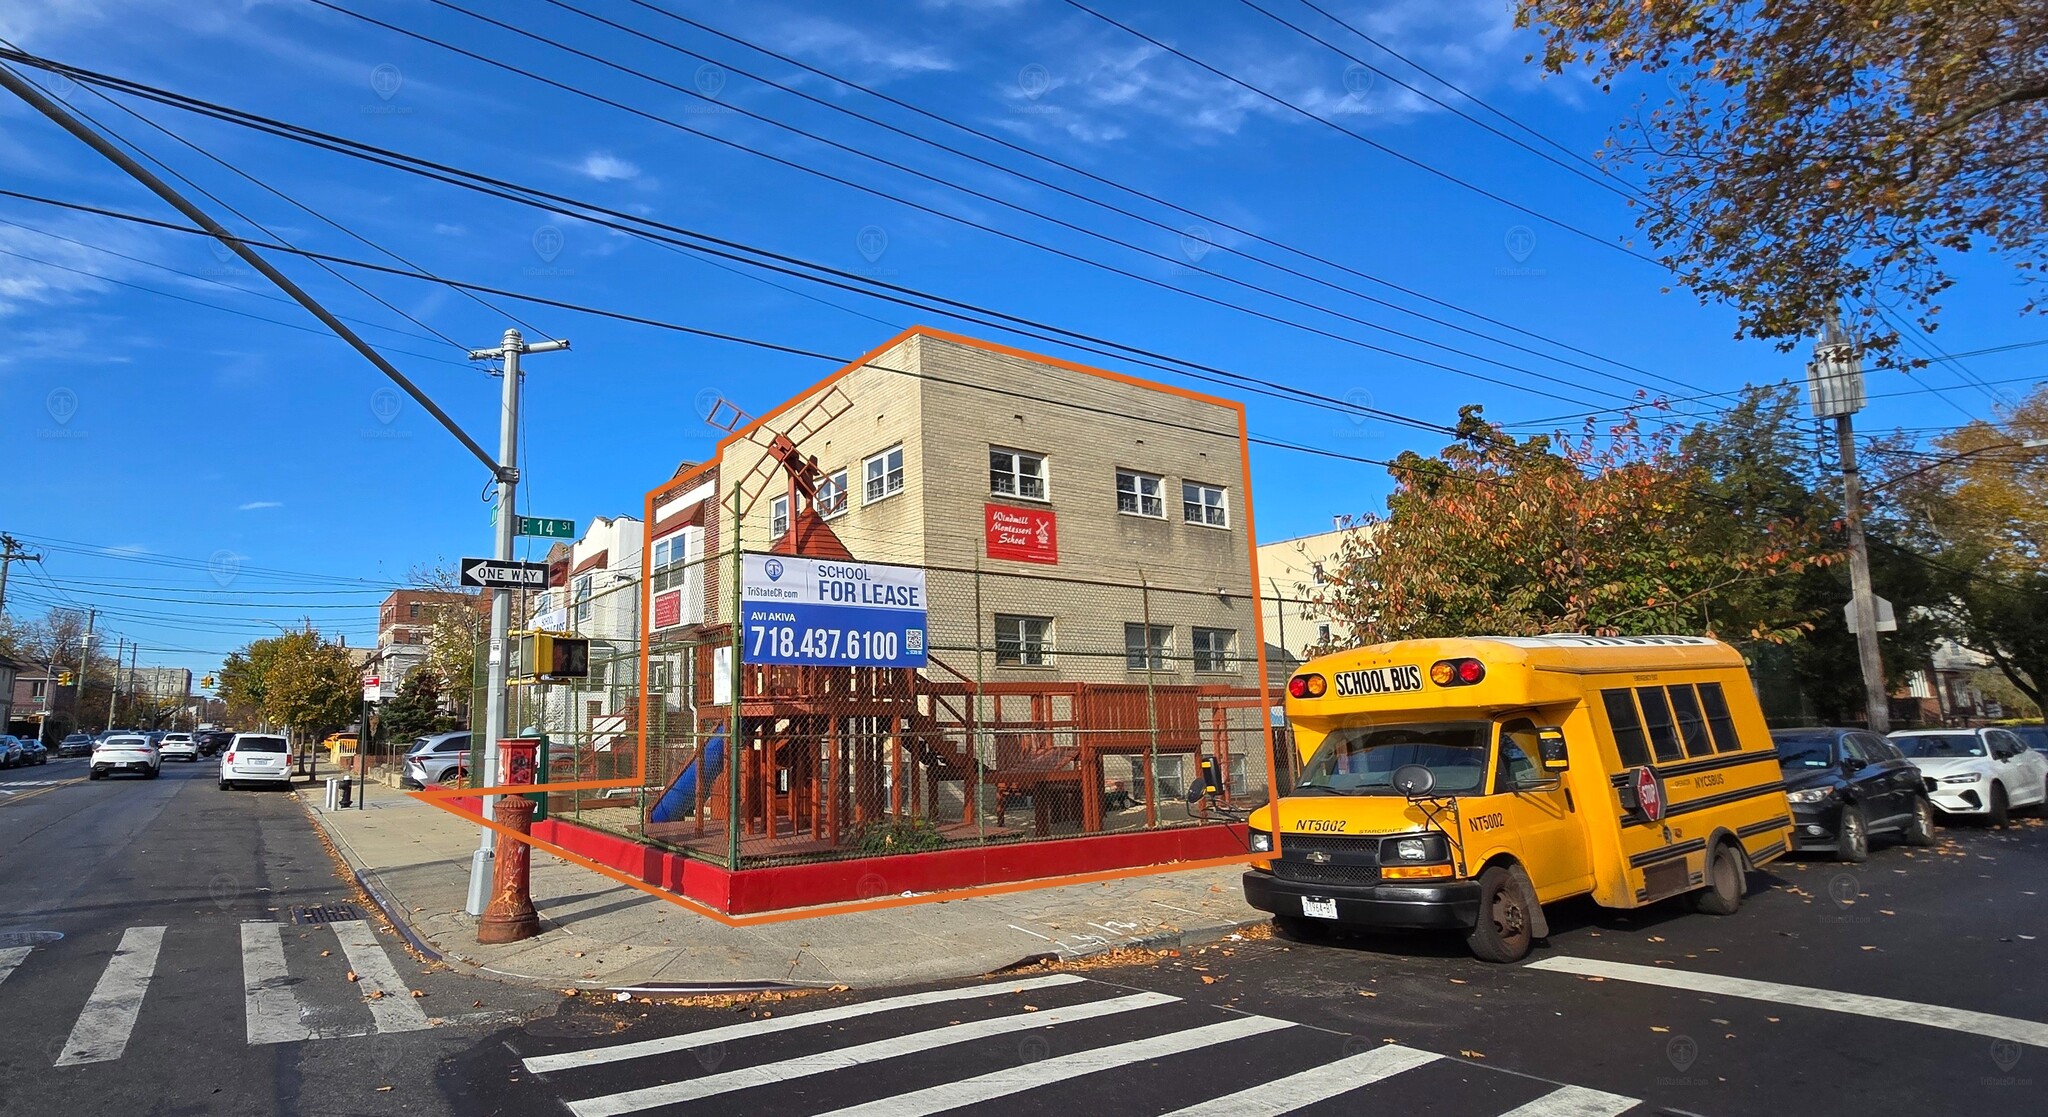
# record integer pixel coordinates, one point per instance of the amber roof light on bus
(1456, 672)
(1307, 686)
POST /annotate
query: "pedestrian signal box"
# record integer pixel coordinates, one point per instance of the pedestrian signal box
(547, 656)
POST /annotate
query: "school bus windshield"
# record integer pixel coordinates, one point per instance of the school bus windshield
(1360, 760)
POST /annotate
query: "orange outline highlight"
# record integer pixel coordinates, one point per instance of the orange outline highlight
(694, 473)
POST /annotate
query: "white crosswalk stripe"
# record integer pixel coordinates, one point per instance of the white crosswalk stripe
(829, 1041)
(102, 1031)
(273, 1008)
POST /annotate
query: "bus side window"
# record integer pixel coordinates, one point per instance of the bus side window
(1628, 727)
(1692, 725)
(1716, 703)
(1657, 718)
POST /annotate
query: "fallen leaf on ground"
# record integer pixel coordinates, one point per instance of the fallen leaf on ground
(352, 977)
(1658, 1028)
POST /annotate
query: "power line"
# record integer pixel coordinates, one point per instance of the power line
(1025, 241)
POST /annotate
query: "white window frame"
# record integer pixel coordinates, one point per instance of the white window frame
(1137, 494)
(1026, 654)
(1014, 475)
(778, 517)
(1195, 507)
(579, 592)
(834, 485)
(1213, 660)
(890, 477)
(1236, 783)
(1155, 655)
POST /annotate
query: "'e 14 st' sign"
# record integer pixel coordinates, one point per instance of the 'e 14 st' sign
(825, 612)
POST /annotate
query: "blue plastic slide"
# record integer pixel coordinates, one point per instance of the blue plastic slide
(680, 800)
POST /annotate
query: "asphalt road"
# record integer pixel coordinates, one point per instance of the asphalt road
(150, 962)
(1912, 984)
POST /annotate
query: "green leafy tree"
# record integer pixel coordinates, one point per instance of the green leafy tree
(415, 711)
(1811, 150)
(1609, 532)
(310, 687)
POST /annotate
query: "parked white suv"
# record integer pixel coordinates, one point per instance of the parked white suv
(1984, 772)
(178, 746)
(256, 758)
(125, 752)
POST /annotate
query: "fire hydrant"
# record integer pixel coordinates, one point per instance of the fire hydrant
(509, 917)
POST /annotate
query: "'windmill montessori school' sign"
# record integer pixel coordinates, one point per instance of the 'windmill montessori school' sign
(1023, 534)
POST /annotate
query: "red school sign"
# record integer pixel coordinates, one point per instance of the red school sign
(1023, 534)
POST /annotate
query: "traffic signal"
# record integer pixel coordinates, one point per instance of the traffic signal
(546, 656)
(206, 681)
(63, 678)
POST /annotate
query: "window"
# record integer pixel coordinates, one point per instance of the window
(1212, 649)
(669, 556)
(412, 611)
(1517, 768)
(778, 517)
(882, 475)
(1016, 473)
(1203, 504)
(1323, 633)
(1657, 719)
(1023, 641)
(1235, 781)
(1854, 748)
(1139, 494)
(1628, 728)
(1146, 651)
(38, 688)
(831, 500)
(580, 594)
(1692, 724)
(1716, 705)
(1169, 770)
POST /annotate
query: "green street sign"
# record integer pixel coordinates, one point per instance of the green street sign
(547, 529)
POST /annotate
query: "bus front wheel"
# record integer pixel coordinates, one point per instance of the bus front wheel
(1507, 918)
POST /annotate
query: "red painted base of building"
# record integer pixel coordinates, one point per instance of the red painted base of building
(748, 891)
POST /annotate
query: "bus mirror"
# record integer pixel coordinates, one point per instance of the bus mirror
(1414, 780)
(1550, 740)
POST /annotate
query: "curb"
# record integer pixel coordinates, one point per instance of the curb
(392, 912)
(1164, 940)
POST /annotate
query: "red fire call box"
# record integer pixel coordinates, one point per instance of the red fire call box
(518, 760)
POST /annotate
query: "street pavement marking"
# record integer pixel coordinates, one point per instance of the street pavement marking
(1313, 1085)
(11, 957)
(1574, 1101)
(670, 1093)
(1855, 1004)
(102, 1031)
(396, 1010)
(541, 1064)
(268, 1003)
(1045, 1072)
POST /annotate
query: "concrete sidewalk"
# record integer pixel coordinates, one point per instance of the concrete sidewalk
(599, 934)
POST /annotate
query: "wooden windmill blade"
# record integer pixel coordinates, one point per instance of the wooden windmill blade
(784, 448)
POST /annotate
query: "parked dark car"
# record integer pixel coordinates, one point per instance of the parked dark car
(78, 744)
(212, 741)
(33, 751)
(2035, 736)
(1848, 784)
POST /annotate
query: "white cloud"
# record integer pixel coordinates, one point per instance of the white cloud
(259, 505)
(836, 44)
(444, 229)
(606, 167)
(125, 549)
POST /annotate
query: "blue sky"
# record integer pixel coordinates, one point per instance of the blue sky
(230, 474)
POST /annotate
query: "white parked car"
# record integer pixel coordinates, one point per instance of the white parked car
(178, 746)
(1985, 772)
(125, 752)
(256, 758)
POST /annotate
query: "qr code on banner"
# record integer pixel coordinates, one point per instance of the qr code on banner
(913, 639)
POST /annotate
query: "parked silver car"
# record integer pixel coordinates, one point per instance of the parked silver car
(441, 758)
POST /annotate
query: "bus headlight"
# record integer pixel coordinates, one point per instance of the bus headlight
(1262, 841)
(1421, 847)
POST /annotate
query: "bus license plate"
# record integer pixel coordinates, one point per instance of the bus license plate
(1379, 680)
(1318, 909)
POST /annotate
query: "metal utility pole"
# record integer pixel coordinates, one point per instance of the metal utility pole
(84, 656)
(497, 651)
(114, 684)
(1834, 385)
(11, 552)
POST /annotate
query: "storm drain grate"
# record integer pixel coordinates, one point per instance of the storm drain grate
(325, 913)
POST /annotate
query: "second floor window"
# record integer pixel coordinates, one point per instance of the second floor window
(1203, 504)
(1138, 494)
(778, 518)
(671, 560)
(831, 500)
(1016, 473)
(580, 588)
(1023, 641)
(882, 475)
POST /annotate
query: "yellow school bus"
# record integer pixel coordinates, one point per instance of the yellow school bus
(1462, 784)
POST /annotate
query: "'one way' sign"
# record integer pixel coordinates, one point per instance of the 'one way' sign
(492, 574)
